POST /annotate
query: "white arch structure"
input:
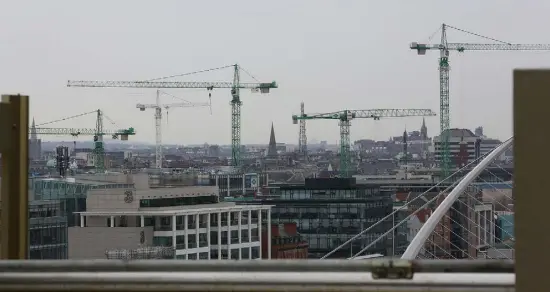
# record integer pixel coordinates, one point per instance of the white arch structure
(418, 241)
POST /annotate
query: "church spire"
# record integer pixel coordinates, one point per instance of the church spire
(424, 130)
(272, 149)
(34, 136)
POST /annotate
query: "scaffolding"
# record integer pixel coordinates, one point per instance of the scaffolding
(142, 253)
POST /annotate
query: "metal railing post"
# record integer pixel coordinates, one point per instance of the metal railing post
(14, 131)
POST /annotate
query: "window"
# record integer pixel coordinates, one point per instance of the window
(180, 201)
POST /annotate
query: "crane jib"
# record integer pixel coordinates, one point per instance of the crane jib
(169, 84)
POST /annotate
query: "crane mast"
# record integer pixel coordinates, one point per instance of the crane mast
(302, 138)
(99, 149)
(158, 106)
(235, 87)
(444, 48)
(344, 118)
(236, 119)
(158, 133)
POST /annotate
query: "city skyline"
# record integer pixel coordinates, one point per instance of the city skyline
(340, 58)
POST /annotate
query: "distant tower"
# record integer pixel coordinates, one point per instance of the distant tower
(34, 136)
(62, 160)
(272, 149)
(479, 131)
(424, 130)
(35, 144)
(424, 138)
(405, 148)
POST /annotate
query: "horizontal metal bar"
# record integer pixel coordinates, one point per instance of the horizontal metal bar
(334, 266)
(250, 281)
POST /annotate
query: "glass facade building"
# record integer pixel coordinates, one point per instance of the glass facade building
(47, 231)
(328, 212)
(71, 195)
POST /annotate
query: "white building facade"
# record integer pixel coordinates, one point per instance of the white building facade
(224, 231)
(189, 219)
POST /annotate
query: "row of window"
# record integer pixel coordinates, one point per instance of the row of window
(49, 253)
(179, 201)
(328, 222)
(191, 242)
(245, 254)
(318, 241)
(46, 235)
(331, 207)
(329, 194)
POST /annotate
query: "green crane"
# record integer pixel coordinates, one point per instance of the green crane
(235, 87)
(345, 116)
(444, 101)
(98, 132)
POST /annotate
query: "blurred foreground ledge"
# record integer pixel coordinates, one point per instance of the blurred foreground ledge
(275, 275)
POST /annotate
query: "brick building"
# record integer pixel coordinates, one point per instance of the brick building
(286, 242)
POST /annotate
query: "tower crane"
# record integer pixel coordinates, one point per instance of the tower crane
(345, 116)
(235, 87)
(444, 48)
(158, 120)
(98, 132)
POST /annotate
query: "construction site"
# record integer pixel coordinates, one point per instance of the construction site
(335, 145)
(95, 191)
(284, 179)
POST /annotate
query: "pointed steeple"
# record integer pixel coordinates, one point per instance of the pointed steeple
(34, 136)
(272, 149)
(424, 130)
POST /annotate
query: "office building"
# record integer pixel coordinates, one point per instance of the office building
(191, 220)
(329, 211)
(47, 231)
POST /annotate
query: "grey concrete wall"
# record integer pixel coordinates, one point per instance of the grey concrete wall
(92, 242)
(110, 199)
(141, 180)
(113, 199)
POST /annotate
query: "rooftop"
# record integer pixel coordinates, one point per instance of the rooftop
(74, 180)
(212, 208)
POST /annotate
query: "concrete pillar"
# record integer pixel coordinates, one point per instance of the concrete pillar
(197, 220)
(208, 230)
(268, 234)
(249, 233)
(219, 235)
(112, 221)
(260, 230)
(174, 231)
(229, 235)
(239, 235)
(82, 223)
(228, 185)
(185, 222)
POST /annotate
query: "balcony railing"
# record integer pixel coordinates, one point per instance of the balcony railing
(257, 275)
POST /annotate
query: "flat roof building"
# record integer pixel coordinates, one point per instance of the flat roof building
(191, 220)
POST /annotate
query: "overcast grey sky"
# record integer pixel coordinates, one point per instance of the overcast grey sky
(332, 55)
